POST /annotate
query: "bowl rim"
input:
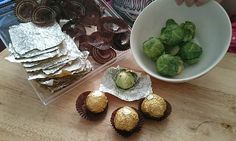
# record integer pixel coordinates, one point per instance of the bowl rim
(179, 80)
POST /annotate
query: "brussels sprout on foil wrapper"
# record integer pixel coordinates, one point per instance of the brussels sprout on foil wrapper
(125, 79)
(126, 84)
(153, 48)
(168, 65)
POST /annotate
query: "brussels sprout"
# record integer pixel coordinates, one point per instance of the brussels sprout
(125, 79)
(190, 51)
(189, 29)
(172, 34)
(172, 50)
(170, 22)
(153, 48)
(168, 65)
(192, 61)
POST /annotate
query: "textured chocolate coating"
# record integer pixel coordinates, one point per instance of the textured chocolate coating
(96, 102)
(126, 119)
(154, 106)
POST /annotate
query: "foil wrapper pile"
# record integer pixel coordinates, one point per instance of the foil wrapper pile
(48, 55)
(141, 89)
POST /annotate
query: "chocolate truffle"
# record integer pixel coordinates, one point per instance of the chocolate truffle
(154, 106)
(125, 79)
(126, 119)
(96, 102)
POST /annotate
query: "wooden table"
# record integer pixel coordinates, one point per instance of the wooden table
(203, 109)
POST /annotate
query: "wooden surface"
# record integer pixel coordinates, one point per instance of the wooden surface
(203, 109)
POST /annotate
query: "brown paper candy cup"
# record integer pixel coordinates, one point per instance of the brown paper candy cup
(128, 133)
(84, 112)
(166, 113)
(24, 10)
(39, 14)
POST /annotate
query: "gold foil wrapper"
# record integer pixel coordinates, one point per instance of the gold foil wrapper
(126, 119)
(96, 102)
(154, 106)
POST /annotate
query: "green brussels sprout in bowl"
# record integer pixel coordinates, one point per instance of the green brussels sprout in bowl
(177, 27)
(189, 29)
(153, 48)
(172, 34)
(190, 53)
(168, 65)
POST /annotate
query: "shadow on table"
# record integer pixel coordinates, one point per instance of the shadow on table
(2, 46)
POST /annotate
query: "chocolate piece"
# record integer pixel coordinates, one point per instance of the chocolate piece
(121, 41)
(101, 40)
(24, 10)
(84, 111)
(103, 56)
(96, 102)
(126, 121)
(111, 24)
(155, 107)
(43, 16)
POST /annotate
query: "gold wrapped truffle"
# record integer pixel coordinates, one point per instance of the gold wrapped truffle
(96, 102)
(154, 106)
(126, 119)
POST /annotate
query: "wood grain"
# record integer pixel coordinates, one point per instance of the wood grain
(203, 109)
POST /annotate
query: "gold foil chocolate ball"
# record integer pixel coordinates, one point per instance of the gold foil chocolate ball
(96, 102)
(154, 106)
(126, 119)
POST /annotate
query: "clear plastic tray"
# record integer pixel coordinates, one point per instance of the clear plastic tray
(8, 19)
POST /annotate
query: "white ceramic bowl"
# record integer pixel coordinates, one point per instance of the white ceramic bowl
(213, 33)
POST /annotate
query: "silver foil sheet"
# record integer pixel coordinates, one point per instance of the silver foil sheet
(78, 65)
(46, 64)
(49, 56)
(142, 89)
(52, 54)
(26, 37)
(32, 53)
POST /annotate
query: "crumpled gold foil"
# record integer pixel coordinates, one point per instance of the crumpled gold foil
(96, 102)
(126, 119)
(154, 105)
